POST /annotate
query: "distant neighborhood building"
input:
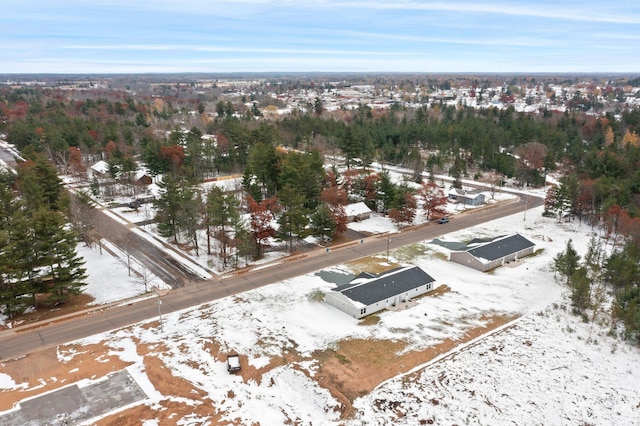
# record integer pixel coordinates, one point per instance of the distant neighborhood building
(368, 293)
(487, 255)
(469, 198)
(357, 212)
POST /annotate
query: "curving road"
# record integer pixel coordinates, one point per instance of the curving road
(29, 339)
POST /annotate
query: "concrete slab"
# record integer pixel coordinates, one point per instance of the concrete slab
(74, 404)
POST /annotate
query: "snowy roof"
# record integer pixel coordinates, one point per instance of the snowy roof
(499, 247)
(140, 173)
(466, 194)
(369, 288)
(356, 209)
(101, 167)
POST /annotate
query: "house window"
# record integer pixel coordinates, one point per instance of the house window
(363, 311)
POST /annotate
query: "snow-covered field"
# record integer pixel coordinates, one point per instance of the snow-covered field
(547, 367)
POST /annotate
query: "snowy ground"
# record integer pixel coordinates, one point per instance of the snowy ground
(547, 365)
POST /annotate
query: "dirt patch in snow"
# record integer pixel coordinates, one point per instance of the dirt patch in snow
(356, 367)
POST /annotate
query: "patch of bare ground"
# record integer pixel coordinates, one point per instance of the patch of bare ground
(76, 303)
(370, 264)
(43, 372)
(339, 240)
(169, 413)
(436, 292)
(357, 366)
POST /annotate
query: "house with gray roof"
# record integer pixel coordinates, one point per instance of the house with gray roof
(368, 293)
(468, 198)
(487, 255)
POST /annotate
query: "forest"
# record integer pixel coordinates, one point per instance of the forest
(186, 138)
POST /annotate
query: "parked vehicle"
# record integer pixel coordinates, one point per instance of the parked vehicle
(444, 219)
(135, 204)
(233, 363)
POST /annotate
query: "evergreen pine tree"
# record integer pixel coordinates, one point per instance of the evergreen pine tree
(169, 207)
(293, 218)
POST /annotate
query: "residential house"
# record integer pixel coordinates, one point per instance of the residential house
(357, 212)
(142, 178)
(368, 293)
(487, 255)
(100, 169)
(468, 198)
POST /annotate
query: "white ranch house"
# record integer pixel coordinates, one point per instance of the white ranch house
(487, 255)
(357, 211)
(368, 293)
(469, 198)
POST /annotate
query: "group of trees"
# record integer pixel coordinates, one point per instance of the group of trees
(37, 250)
(591, 278)
(288, 195)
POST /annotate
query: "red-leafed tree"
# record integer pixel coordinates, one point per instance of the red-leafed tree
(611, 218)
(370, 188)
(223, 144)
(336, 199)
(174, 154)
(532, 156)
(93, 133)
(624, 222)
(406, 213)
(434, 200)
(585, 201)
(261, 216)
(109, 149)
(75, 161)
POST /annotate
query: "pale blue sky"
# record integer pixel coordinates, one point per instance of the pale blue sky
(128, 36)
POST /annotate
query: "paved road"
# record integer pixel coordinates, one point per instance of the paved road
(8, 157)
(161, 264)
(14, 344)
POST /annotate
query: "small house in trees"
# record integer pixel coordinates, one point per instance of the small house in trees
(100, 169)
(368, 293)
(357, 212)
(486, 255)
(142, 178)
(468, 198)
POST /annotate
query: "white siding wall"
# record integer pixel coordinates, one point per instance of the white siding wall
(341, 302)
(468, 260)
(338, 300)
(464, 258)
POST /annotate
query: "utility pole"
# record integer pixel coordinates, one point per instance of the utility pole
(160, 313)
(388, 241)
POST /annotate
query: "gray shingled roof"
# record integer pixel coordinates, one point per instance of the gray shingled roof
(381, 287)
(500, 247)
